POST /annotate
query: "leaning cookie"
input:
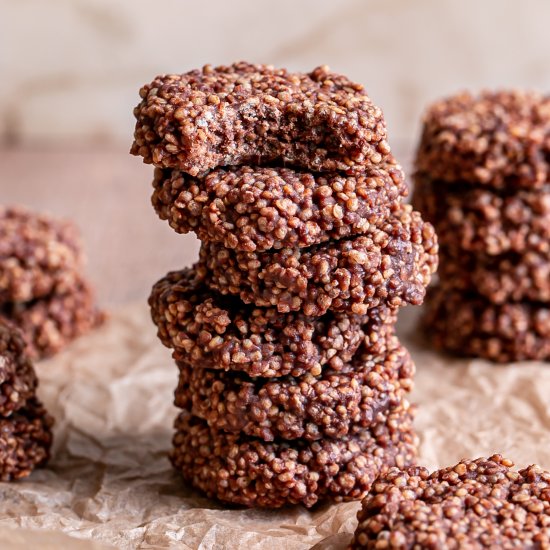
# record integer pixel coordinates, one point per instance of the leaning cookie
(247, 114)
(391, 264)
(18, 380)
(25, 441)
(496, 139)
(38, 255)
(254, 208)
(481, 503)
(220, 332)
(476, 220)
(500, 279)
(469, 325)
(333, 404)
(242, 470)
(50, 323)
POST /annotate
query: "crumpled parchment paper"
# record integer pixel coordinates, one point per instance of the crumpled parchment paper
(110, 484)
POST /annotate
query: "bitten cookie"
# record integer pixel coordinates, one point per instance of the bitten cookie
(495, 139)
(471, 326)
(38, 255)
(391, 264)
(333, 404)
(476, 504)
(220, 332)
(251, 472)
(255, 114)
(254, 208)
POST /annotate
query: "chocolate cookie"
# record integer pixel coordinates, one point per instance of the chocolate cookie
(50, 323)
(253, 208)
(17, 377)
(242, 470)
(220, 332)
(391, 264)
(255, 114)
(479, 503)
(468, 325)
(38, 255)
(484, 221)
(333, 404)
(496, 139)
(25, 441)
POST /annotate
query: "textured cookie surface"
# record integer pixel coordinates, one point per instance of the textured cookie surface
(495, 139)
(254, 208)
(220, 332)
(252, 472)
(391, 264)
(253, 114)
(333, 404)
(476, 504)
(38, 255)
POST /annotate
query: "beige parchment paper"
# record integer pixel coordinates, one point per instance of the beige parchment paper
(109, 484)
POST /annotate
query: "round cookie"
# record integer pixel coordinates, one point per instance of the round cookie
(50, 323)
(246, 114)
(495, 139)
(391, 264)
(25, 441)
(485, 221)
(258, 208)
(333, 404)
(18, 380)
(251, 472)
(220, 332)
(468, 325)
(38, 255)
(476, 504)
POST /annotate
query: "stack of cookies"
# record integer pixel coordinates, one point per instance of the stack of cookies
(292, 382)
(25, 427)
(42, 288)
(483, 180)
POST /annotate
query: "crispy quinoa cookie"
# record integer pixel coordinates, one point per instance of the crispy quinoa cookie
(391, 264)
(470, 219)
(476, 504)
(38, 255)
(499, 279)
(49, 324)
(333, 404)
(254, 208)
(220, 332)
(469, 325)
(247, 471)
(255, 114)
(25, 441)
(18, 380)
(496, 139)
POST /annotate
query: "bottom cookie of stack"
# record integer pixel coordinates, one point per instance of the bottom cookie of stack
(248, 471)
(466, 323)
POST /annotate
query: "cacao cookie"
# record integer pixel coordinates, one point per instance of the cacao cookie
(38, 255)
(48, 324)
(391, 264)
(25, 441)
(333, 404)
(251, 472)
(495, 139)
(18, 380)
(256, 114)
(220, 332)
(469, 325)
(476, 504)
(486, 221)
(254, 208)
(499, 279)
